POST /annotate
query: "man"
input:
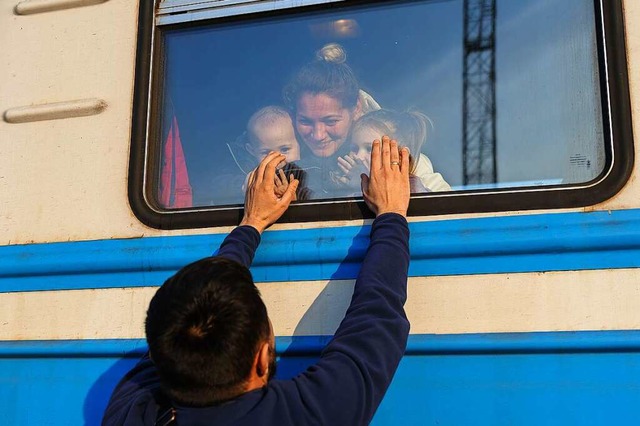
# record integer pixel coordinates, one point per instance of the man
(211, 343)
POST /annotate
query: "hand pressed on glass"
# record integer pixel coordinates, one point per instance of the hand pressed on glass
(386, 189)
(262, 205)
(351, 168)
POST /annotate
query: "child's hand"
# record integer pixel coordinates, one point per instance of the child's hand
(352, 167)
(282, 184)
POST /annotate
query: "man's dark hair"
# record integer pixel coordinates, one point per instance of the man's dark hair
(204, 327)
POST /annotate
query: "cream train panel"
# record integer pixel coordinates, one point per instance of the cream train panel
(554, 301)
(74, 55)
(66, 179)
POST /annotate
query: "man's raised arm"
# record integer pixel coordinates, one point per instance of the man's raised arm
(262, 208)
(356, 367)
(137, 398)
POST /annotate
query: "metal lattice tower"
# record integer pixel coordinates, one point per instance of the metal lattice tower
(479, 92)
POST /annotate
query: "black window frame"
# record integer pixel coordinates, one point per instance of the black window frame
(617, 126)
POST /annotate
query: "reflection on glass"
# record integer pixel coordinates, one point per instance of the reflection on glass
(319, 87)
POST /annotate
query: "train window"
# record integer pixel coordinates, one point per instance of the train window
(504, 104)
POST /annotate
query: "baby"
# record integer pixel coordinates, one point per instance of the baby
(410, 130)
(271, 129)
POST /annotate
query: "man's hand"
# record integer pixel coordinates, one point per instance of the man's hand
(262, 206)
(386, 189)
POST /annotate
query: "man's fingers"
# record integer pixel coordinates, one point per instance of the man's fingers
(405, 156)
(260, 173)
(270, 168)
(295, 192)
(364, 185)
(394, 155)
(263, 203)
(386, 152)
(376, 158)
(290, 193)
(251, 179)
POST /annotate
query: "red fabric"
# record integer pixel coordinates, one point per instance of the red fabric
(175, 190)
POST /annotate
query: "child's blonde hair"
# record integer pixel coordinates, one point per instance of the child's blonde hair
(408, 128)
(265, 116)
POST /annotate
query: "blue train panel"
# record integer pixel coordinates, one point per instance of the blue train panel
(530, 243)
(580, 378)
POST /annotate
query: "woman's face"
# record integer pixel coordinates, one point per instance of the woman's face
(323, 123)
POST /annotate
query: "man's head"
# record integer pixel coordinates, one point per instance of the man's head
(209, 334)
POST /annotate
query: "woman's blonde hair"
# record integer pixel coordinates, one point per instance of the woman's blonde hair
(408, 128)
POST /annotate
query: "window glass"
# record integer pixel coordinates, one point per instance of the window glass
(494, 96)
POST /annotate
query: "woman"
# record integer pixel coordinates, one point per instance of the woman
(325, 100)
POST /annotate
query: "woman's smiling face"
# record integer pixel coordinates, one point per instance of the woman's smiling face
(323, 123)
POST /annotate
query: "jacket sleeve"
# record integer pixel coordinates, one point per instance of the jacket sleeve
(355, 369)
(135, 398)
(240, 245)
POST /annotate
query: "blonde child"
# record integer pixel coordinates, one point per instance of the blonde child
(410, 130)
(271, 129)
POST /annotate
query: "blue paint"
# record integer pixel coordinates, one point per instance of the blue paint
(514, 389)
(486, 379)
(419, 344)
(530, 243)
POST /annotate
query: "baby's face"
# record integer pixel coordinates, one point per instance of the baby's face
(361, 141)
(278, 137)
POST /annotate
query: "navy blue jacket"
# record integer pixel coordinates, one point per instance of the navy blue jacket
(355, 369)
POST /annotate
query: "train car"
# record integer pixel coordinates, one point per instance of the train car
(128, 128)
